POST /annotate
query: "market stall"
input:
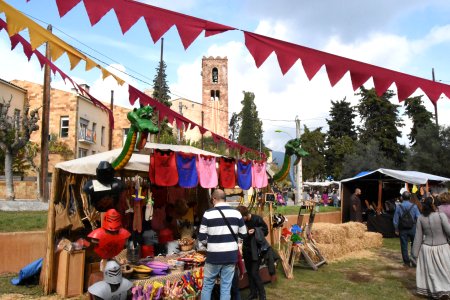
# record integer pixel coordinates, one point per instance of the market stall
(160, 217)
(380, 189)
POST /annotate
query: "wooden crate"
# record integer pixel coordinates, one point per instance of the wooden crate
(70, 273)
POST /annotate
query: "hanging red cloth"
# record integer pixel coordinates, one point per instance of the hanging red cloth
(227, 172)
(165, 168)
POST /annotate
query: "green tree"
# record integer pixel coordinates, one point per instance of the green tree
(161, 93)
(341, 136)
(419, 115)
(313, 142)
(14, 135)
(431, 151)
(366, 157)
(235, 125)
(381, 122)
(250, 132)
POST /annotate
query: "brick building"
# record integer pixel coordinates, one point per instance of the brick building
(214, 100)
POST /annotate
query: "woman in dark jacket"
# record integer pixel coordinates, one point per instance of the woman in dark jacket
(251, 251)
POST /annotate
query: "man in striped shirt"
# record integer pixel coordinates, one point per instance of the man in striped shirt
(222, 247)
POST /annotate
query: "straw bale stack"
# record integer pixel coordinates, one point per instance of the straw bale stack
(337, 240)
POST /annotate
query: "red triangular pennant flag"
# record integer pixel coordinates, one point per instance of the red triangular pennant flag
(382, 83)
(285, 60)
(335, 72)
(432, 93)
(132, 94)
(157, 27)
(188, 33)
(96, 9)
(127, 14)
(212, 28)
(257, 48)
(358, 79)
(311, 64)
(404, 89)
(64, 6)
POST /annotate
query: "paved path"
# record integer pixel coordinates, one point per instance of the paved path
(21, 205)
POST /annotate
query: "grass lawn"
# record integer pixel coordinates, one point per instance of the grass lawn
(11, 221)
(376, 274)
(293, 210)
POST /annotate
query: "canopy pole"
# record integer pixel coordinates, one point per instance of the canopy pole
(49, 253)
(380, 194)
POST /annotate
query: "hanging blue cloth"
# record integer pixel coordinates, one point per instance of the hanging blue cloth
(244, 174)
(187, 170)
(29, 272)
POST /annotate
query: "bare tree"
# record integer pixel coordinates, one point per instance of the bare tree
(14, 135)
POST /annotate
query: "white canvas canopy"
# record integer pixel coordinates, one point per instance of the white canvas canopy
(138, 162)
(412, 177)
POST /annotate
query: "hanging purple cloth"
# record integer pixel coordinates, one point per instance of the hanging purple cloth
(244, 174)
(187, 170)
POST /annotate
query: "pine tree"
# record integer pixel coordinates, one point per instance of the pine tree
(235, 125)
(161, 93)
(380, 123)
(340, 137)
(313, 142)
(419, 115)
(250, 133)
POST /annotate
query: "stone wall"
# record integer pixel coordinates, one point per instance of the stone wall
(24, 190)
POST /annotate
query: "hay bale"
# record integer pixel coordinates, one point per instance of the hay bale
(354, 229)
(372, 240)
(327, 233)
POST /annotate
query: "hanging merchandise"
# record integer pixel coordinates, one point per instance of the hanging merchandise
(74, 214)
(62, 221)
(187, 171)
(259, 174)
(149, 206)
(227, 172)
(138, 203)
(110, 238)
(165, 168)
(207, 173)
(244, 174)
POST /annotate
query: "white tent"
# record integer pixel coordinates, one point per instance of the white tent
(138, 162)
(413, 177)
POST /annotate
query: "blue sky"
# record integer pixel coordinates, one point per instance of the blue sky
(408, 36)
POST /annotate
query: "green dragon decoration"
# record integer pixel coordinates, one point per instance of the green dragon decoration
(293, 147)
(141, 123)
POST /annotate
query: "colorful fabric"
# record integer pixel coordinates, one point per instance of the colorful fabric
(227, 172)
(244, 174)
(187, 170)
(165, 168)
(259, 175)
(207, 173)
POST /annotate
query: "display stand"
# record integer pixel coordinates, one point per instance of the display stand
(70, 273)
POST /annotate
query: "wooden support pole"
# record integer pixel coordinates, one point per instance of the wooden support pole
(380, 194)
(270, 224)
(47, 280)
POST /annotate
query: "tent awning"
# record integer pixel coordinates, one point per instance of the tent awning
(138, 162)
(413, 177)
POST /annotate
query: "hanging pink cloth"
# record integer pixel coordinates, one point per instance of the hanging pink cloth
(207, 173)
(259, 175)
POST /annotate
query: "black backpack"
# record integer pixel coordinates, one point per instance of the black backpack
(406, 220)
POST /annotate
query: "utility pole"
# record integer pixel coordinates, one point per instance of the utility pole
(203, 118)
(299, 168)
(111, 107)
(44, 192)
(435, 104)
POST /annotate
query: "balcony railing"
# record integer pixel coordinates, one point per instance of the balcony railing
(87, 135)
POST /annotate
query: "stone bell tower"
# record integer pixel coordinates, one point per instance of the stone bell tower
(215, 94)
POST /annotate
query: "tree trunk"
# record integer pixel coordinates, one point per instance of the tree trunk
(10, 196)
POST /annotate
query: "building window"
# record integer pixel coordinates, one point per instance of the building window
(94, 132)
(103, 136)
(215, 75)
(82, 152)
(215, 95)
(94, 152)
(64, 127)
(17, 118)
